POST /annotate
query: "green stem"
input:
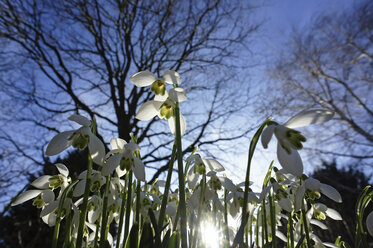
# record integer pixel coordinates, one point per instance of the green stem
(166, 189)
(85, 203)
(103, 235)
(290, 229)
(265, 222)
(226, 219)
(306, 230)
(199, 211)
(182, 206)
(67, 240)
(128, 205)
(121, 218)
(273, 220)
(95, 243)
(254, 141)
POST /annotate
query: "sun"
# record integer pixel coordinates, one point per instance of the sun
(210, 235)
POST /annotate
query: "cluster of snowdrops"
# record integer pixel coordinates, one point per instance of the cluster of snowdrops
(205, 209)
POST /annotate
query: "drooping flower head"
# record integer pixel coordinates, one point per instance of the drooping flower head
(290, 140)
(79, 138)
(163, 104)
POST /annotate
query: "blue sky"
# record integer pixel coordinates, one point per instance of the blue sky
(280, 18)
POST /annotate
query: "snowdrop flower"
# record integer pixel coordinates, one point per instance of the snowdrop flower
(44, 195)
(320, 211)
(313, 184)
(290, 140)
(124, 157)
(164, 102)
(163, 107)
(97, 180)
(199, 168)
(146, 78)
(78, 138)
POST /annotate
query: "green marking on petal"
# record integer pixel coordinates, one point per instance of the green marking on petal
(158, 87)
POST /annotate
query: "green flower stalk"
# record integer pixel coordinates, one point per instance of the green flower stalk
(182, 204)
(83, 212)
(167, 188)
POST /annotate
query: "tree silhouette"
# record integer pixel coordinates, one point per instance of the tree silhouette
(329, 65)
(65, 57)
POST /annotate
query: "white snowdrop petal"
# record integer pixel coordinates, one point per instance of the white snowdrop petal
(327, 244)
(80, 120)
(42, 182)
(321, 207)
(171, 77)
(281, 236)
(171, 208)
(192, 179)
(27, 195)
(148, 110)
(292, 162)
(299, 198)
(369, 223)
(177, 94)
(51, 220)
(79, 188)
(285, 204)
(111, 164)
(59, 143)
(97, 150)
(120, 172)
(228, 184)
(47, 195)
(117, 143)
(331, 192)
(267, 135)
(161, 98)
(194, 199)
(62, 169)
(139, 169)
(309, 117)
(312, 184)
(132, 147)
(213, 165)
(49, 208)
(333, 214)
(143, 78)
(171, 124)
(319, 224)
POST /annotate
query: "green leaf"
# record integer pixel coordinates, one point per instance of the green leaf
(166, 238)
(300, 241)
(174, 240)
(146, 240)
(131, 241)
(156, 230)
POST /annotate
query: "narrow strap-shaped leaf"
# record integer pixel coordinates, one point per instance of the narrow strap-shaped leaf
(131, 241)
(166, 238)
(146, 240)
(156, 229)
(300, 241)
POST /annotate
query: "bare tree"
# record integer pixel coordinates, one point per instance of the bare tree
(329, 65)
(62, 57)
